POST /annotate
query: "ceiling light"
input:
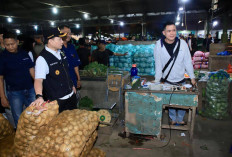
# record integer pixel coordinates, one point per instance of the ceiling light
(121, 23)
(178, 17)
(18, 31)
(54, 10)
(184, 1)
(36, 27)
(86, 16)
(77, 26)
(111, 21)
(177, 23)
(9, 19)
(52, 23)
(181, 9)
(199, 21)
(215, 23)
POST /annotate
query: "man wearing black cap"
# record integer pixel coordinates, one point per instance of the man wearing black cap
(52, 74)
(102, 55)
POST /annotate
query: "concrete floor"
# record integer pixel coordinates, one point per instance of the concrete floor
(212, 138)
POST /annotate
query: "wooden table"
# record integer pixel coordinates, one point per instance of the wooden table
(144, 109)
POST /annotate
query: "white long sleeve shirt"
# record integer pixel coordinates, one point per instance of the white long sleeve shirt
(183, 63)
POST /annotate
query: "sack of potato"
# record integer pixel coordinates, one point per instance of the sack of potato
(5, 127)
(7, 146)
(30, 122)
(66, 135)
(96, 152)
(89, 144)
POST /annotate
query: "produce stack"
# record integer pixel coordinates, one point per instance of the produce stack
(200, 60)
(7, 135)
(144, 59)
(216, 95)
(71, 133)
(6, 128)
(31, 122)
(122, 62)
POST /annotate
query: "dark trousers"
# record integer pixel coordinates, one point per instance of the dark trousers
(68, 104)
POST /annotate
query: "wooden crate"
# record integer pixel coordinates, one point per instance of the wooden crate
(219, 62)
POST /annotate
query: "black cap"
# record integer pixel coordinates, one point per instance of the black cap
(102, 42)
(54, 32)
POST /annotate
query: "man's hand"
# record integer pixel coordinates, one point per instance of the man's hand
(78, 83)
(37, 102)
(5, 102)
(125, 53)
(74, 89)
(193, 81)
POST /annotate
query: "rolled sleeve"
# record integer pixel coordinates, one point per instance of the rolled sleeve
(188, 62)
(41, 68)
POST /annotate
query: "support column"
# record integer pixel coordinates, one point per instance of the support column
(224, 38)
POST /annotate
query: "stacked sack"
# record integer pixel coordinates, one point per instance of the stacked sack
(144, 59)
(6, 128)
(30, 123)
(71, 133)
(122, 62)
(200, 60)
(7, 135)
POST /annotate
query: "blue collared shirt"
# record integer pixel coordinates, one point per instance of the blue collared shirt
(73, 61)
(14, 67)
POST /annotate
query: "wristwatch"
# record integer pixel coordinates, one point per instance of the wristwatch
(38, 96)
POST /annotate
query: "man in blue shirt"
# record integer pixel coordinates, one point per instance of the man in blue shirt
(17, 69)
(71, 54)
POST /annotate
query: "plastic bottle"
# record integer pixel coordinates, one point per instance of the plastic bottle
(134, 70)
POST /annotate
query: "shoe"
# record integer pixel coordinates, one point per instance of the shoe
(172, 123)
(182, 123)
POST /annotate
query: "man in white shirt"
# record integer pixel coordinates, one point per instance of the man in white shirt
(52, 74)
(165, 49)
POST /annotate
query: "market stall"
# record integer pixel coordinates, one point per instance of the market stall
(144, 110)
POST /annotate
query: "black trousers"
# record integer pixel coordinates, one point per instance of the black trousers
(68, 104)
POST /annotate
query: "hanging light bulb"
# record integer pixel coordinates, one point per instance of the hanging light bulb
(54, 10)
(52, 23)
(9, 19)
(121, 23)
(77, 26)
(18, 31)
(36, 27)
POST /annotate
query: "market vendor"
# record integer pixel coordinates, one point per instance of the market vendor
(172, 59)
(102, 55)
(52, 74)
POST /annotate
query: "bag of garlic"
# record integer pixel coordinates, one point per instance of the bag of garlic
(30, 122)
(66, 135)
(6, 128)
(96, 152)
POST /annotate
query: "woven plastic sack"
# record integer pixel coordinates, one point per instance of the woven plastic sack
(30, 122)
(6, 128)
(66, 135)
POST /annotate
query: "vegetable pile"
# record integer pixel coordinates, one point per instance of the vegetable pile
(95, 70)
(30, 122)
(86, 102)
(216, 96)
